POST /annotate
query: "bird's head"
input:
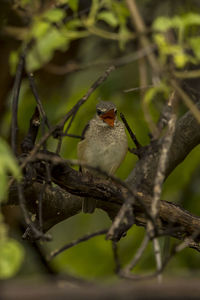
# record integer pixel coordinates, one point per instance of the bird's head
(106, 112)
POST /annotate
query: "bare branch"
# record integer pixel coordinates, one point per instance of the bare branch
(116, 257)
(132, 135)
(16, 89)
(74, 243)
(37, 98)
(137, 256)
(186, 99)
(140, 27)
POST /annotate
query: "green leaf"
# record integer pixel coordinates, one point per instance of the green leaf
(162, 46)
(73, 4)
(191, 19)
(121, 11)
(93, 12)
(7, 160)
(40, 28)
(180, 59)
(54, 15)
(45, 47)
(3, 185)
(162, 24)
(108, 17)
(8, 164)
(152, 92)
(13, 61)
(11, 257)
(23, 3)
(176, 51)
(73, 24)
(124, 36)
(177, 22)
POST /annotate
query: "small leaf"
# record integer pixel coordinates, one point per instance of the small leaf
(11, 257)
(54, 15)
(3, 185)
(124, 34)
(180, 22)
(162, 24)
(73, 24)
(121, 11)
(7, 160)
(109, 18)
(45, 47)
(191, 19)
(40, 28)
(73, 4)
(177, 22)
(13, 61)
(8, 164)
(95, 6)
(23, 3)
(180, 59)
(152, 92)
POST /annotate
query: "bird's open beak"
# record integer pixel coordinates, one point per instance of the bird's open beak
(109, 117)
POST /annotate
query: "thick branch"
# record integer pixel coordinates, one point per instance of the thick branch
(186, 137)
(59, 205)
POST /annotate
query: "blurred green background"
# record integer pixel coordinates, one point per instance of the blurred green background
(94, 259)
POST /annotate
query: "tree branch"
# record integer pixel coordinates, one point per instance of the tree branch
(186, 137)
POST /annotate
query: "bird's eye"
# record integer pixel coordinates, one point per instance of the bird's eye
(99, 112)
(115, 111)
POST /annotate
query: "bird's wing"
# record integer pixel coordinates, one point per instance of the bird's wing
(81, 146)
(84, 131)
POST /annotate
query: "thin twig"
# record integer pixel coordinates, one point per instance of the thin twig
(177, 249)
(186, 99)
(132, 135)
(143, 74)
(93, 87)
(162, 163)
(158, 257)
(16, 89)
(137, 256)
(187, 74)
(37, 98)
(76, 242)
(119, 61)
(73, 136)
(139, 88)
(64, 134)
(159, 179)
(140, 27)
(116, 257)
(29, 140)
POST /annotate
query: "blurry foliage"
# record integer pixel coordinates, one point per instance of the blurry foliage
(8, 165)
(11, 252)
(186, 28)
(53, 30)
(11, 257)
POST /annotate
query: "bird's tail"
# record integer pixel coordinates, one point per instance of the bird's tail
(89, 205)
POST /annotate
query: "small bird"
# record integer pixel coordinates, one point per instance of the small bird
(104, 145)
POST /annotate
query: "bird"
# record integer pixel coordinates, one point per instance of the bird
(103, 146)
